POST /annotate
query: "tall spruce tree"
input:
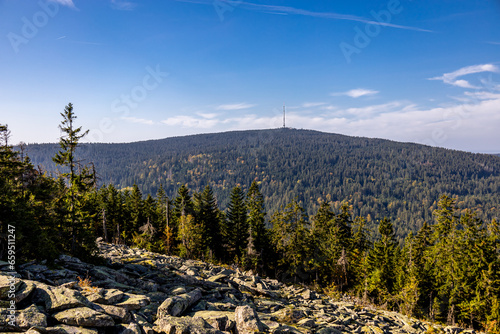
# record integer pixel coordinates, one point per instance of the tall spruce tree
(208, 214)
(183, 204)
(446, 260)
(291, 238)
(80, 181)
(323, 266)
(382, 261)
(258, 242)
(236, 231)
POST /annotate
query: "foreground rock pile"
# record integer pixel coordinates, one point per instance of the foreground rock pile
(143, 292)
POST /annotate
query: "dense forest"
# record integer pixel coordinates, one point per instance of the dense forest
(379, 177)
(448, 270)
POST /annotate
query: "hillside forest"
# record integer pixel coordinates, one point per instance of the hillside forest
(378, 177)
(447, 270)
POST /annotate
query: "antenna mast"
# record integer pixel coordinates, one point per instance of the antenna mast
(284, 113)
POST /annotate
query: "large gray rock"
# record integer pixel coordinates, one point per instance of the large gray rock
(119, 314)
(176, 305)
(84, 316)
(112, 296)
(247, 320)
(289, 316)
(57, 299)
(31, 316)
(184, 325)
(220, 320)
(65, 329)
(25, 289)
(286, 330)
(306, 322)
(133, 302)
(7, 320)
(5, 285)
(217, 278)
(145, 326)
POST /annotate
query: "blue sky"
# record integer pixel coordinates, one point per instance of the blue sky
(414, 71)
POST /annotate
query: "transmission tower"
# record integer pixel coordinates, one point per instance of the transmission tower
(284, 114)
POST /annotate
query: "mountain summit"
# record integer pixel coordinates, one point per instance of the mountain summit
(379, 177)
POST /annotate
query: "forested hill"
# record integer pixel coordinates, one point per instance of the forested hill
(402, 181)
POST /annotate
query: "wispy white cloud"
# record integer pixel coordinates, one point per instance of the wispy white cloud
(329, 107)
(68, 3)
(355, 93)
(207, 115)
(138, 120)
(287, 10)
(374, 109)
(452, 77)
(489, 84)
(235, 106)
(312, 104)
(190, 122)
(123, 5)
(483, 95)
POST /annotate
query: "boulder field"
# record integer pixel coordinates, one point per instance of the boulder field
(144, 292)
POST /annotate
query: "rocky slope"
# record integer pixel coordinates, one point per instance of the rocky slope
(143, 292)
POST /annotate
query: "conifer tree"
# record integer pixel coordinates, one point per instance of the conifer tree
(259, 239)
(407, 282)
(291, 238)
(134, 219)
(236, 232)
(26, 206)
(419, 267)
(183, 204)
(359, 253)
(208, 215)
(320, 228)
(445, 252)
(382, 263)
(80, 181)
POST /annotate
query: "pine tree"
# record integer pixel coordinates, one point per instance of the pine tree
(236, 232)
(134, 219)
(208, 215)
(258, 242)
(80, 181)
(361, 245)
(420, 267)
(183, 204)
(446, 258)
(291, 238)
(322, 223)
(382, 263)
